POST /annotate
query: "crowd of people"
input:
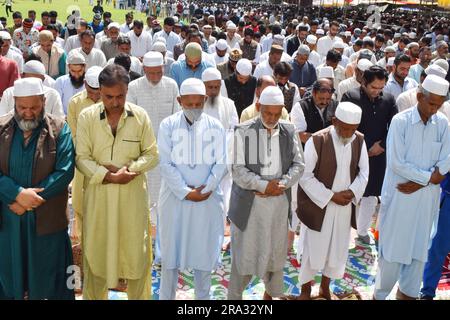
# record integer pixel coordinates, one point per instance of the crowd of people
(255, 120)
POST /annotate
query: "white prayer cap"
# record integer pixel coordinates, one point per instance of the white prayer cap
(367, 38)
(348, 112)
(397, 35)
(338, 45)
(75, 57)
(161, 39)
(412, 44)
(28, 87)
(442, 63)
(206, 26)
(312, 39)
(113, 25)
(192, 86)
(175, 19)
(153, 59)
(389, 49)
(320, 31)
(91, 76)
(244, 67)
(34, 67)
(159, 46)
(228, 23)
(294, 21)
(326, 72)
(5, 35)
(303, 49)
(278, 39)
(272, 96)
(412, 35)
(221, 44)
(348, 33)
(211, 74)
(436, 85)
(231, 26)
(428, 35)
(364, 64)
(390, 62)
(357, 31)
(436, 70)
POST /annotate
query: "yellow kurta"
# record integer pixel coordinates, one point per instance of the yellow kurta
(78, 103)
(116, 239)
(250, 113)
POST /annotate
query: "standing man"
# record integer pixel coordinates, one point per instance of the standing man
(93, 56)
(378, 109)
(9, 71)
(418, 148)
(80, 101)
(303, 72)
(141, 42)
(36, 167)
(424, 61)
(324, 44)
(191, 200)
(261, 196)
(398, 80)
(336, 173)
(167, 33)
(115, 147)
(25, 36)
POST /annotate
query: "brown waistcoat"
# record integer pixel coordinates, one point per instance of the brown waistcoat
(307, 211)
(52, 216)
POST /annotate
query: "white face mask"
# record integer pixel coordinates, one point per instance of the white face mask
(192, 114)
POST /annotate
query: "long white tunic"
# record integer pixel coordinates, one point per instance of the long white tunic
(53, 104)
(140, 45)
(95, 58)
(330, 246)
(413, 152)
(191, 232)
(160, 101)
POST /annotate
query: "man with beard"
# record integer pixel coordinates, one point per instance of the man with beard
(282, 72)
(295, 42)
(424, 61)
(228, 67)
(93, 56)
(190, 67)
(86, 98)
(221, 53)
(336, 173)
(398, 80)
(36, 167)
(413, 52)
(109, 46)
(378, 108)
(115, 148)
(157, 94)
(324, 44)
(72, 83)
(34, 69)
(251, 49)
(191, 200)
(241, 85)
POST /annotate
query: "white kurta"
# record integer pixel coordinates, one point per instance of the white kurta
(95, 58)
(329, 248)
(140, 45)
(191, 232)
(17, 57)
(347, 85)
(159, 101)
(53, 104)
(172, 39)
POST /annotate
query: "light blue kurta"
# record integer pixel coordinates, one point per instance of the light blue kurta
(413, 151)
(191, 232)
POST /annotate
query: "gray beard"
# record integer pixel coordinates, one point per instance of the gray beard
(345, 141)
(28, 125)
(212, 101)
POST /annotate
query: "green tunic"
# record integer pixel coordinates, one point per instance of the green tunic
(28, 262)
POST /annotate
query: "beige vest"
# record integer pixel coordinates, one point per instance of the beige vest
(51, 62)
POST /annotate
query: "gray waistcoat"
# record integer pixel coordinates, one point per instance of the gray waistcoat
(241, 201)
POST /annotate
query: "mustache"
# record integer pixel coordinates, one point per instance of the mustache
(28, 125)
(76, 82)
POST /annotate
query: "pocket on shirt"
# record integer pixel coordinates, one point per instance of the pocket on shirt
(435, 150)
(132, 146)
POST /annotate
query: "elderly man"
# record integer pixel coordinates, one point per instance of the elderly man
(233, 38)
(52, 56)
(253, 111)
(303, 72)
(418, 148)
(72, 83)
(241, 85)
(34, 69)
(93, 56)
(265, 68)
(36, 167)
(109, 46)
(261, 196)
(160, 47)
(191, 67)
(191, 200)
(80, 101)
(441, 51)
(314, 58)
(228, 68)
(377, 112)
(9, 51)
(221, 52)
(335, 176)
(157, 94)
(115, 148)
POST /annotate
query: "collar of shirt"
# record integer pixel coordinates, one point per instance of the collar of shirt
(415, 118)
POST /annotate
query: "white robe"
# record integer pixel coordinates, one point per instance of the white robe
(329, 248)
